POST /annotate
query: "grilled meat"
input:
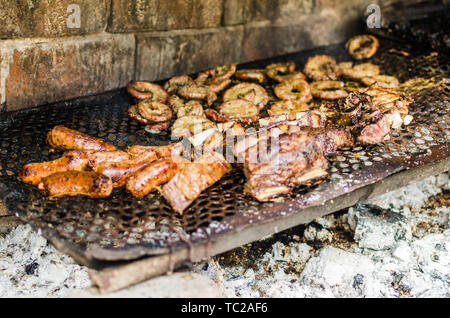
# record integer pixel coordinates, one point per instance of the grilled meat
(175, 149)
(64, 138)
(95, 159)
(119, 172)
(308, 118)
(374, 132)
(331, 138)
(273, 168)
(153, 175)
(371, 116)
(34, 172)
(195, 177)
(77, 183)
(248, 140)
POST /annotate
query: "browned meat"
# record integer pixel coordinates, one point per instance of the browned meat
(370, 125)
(195, 177)
(375, 132)
(77, 182)
(68, 139)
(309, 118)
(34, 172)
(274, 170)
(153, 175)
(119, 172)
(355, 105)
(331, 138)
(248, 140)
(95, 159)
(175, 149)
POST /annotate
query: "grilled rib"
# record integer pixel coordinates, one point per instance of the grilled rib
(273, 168)
(331, 138)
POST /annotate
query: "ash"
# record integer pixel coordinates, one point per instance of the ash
(396, 245)
(31, 267)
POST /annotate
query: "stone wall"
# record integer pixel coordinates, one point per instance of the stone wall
(52, 50)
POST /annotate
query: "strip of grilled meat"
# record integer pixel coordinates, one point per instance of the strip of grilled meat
(274, 167)
(64, 138)
(195, 177)
(73, 183)
(309, 118)
(331, 138)
(34, 172)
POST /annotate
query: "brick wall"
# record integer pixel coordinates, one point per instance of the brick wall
(47, 54)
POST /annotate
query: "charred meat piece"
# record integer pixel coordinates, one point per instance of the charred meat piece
(376, 131)
(195, 177)
(34, 172)
(331, 138)
(73, 183)
(119, 172)
(64, 138)
(355, 99)
(274, 167)
(308, 118)
(153, 175)
(355, 104)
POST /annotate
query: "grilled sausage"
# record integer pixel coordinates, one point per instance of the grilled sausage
(64, 138)
(34, 172)
(174, 149)
(153, 175)
(99, 157)
(119, 172)
(73, 183)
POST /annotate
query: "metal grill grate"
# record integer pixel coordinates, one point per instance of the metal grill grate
(122, 227)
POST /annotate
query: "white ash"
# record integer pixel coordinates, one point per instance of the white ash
(31, 267)
(389, 256)
(317, 232)
(413, 196)
(377, 231)
(414, 263)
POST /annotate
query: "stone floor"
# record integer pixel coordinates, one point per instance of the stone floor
(396, 245)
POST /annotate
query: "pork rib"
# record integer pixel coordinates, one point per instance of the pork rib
(273, 167)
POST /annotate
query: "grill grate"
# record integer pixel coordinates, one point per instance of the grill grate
(122, 227)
